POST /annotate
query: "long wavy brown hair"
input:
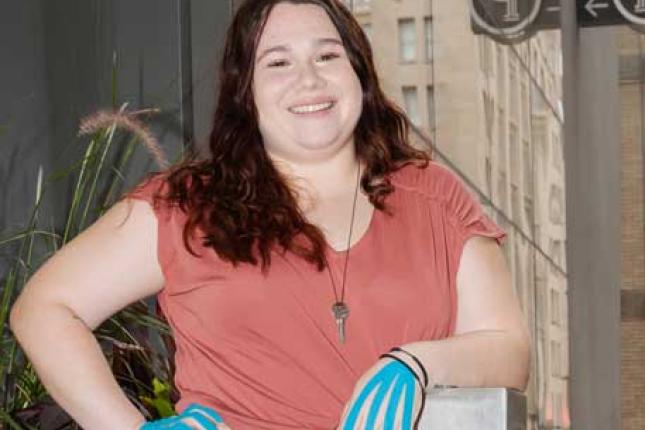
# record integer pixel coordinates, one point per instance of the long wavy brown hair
(236, 201)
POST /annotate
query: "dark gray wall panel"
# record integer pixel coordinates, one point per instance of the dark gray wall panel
(24, 122)
(209, 23)
(57, 61)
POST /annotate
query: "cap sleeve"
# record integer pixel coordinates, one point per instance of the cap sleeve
(464, 217)
(463, 210)
(167, 228)
(469, 217)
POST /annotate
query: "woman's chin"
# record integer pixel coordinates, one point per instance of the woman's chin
(319, 143)
(306, 147)
(316, 145)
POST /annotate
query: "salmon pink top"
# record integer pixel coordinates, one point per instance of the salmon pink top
(263, 350)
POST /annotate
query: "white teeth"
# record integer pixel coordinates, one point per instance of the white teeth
(311, 108)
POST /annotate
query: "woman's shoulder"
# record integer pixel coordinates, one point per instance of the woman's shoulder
(162, 189)
(153, 189)
(433, 181)
(445, 193)
(155, 183)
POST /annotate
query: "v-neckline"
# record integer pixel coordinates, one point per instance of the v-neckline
(354, 246)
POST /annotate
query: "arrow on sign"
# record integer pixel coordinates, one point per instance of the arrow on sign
(591, 7)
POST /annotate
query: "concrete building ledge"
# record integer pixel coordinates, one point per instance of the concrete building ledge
(474, 409)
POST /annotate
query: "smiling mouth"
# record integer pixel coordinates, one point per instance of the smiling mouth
(305, 109)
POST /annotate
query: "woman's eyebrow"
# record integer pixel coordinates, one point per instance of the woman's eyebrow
(331, 40)
(285, 48)
(278, 48)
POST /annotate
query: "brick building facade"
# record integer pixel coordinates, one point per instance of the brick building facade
(632, 151)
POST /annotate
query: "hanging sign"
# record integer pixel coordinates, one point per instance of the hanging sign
(510, 21)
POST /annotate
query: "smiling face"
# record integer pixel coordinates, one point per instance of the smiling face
(307, 95)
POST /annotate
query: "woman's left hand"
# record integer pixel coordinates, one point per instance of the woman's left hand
(386, 397)
(194, 417)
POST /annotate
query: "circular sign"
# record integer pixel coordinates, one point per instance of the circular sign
(631, 14)
(507, 18)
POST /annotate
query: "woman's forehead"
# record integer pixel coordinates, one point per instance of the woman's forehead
(289, 23)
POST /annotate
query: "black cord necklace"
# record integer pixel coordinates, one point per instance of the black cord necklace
(340, 310)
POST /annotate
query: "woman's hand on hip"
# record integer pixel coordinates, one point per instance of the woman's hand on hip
(386, 397)
(194, 417)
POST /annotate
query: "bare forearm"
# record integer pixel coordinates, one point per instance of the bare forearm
(71, 365)
(477, 359)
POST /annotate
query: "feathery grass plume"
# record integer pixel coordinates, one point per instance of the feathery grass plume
(127, 121)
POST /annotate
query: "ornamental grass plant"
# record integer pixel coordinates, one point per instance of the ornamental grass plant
(135, 341)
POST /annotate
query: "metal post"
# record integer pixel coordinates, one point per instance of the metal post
(591, 154)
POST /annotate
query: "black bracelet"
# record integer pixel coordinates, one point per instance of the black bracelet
(414, 357)
(394, 357)
(423, 393)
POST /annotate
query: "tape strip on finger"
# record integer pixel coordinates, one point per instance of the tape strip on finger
(211, 413)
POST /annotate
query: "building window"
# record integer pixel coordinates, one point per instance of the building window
(489, 114)
(555, 252)
(557, 151)
(524, 107)
(367, 29)
(513, 90)
(428, 38)
(529, 214)
(502, 191)
(407, 40)
(501, 140)
(527, 168)
(501, 75)
(513, 144)
(485, 55)
(411, 101)
(538, 234)
(515, 205)
(556, 205)
(517, 273)
(431, 110)
(555, 307)
(354, 5)
(555, 358)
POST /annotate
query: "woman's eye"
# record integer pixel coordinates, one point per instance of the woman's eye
(329, 56)
(277, 63)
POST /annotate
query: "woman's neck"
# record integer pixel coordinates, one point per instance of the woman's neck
(321, 180)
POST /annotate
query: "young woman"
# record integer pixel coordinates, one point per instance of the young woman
(312, 241)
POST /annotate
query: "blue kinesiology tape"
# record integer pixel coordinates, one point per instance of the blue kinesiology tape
(379, 399)
(205, 422)
(390, 414)
(393, 376)
(202, 414)
(208, 411)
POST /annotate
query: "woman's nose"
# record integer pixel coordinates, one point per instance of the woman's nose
(310, 76)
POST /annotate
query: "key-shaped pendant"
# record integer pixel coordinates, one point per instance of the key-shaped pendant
(341, 312)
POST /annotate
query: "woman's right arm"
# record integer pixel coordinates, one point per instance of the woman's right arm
(112, 264)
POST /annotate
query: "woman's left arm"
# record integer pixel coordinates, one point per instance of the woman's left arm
(491, 345)
(490, 348)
